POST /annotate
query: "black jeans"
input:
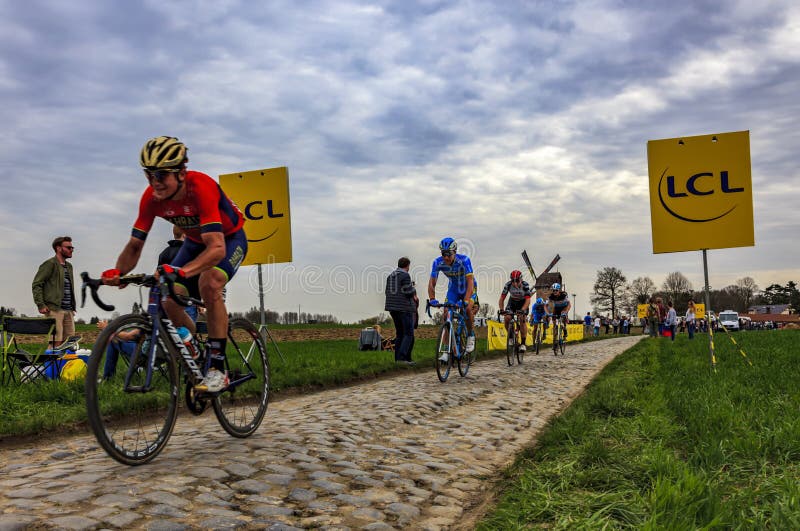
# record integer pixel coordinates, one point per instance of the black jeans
(404, 340)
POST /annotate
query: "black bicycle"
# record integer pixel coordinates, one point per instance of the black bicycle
(514, 339)
(133, 413)
(559, 334)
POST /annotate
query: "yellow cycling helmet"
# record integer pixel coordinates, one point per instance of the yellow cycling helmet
(163, 152)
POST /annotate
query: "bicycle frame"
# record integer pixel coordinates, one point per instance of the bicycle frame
(158, 316)
(457, 325)
(162, 323)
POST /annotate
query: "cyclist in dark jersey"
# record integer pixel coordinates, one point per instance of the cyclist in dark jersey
(520, 298)
(559, 304)
(215, 242)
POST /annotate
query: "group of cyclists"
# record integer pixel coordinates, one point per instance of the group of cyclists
(216, 245)
(463, 289)
(557, 306)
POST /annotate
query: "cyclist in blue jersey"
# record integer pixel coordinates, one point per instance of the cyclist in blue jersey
(520, 298)
(538, 311)
(462, 287)
(559, 304)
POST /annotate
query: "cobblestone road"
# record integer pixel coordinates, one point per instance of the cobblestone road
(399, 453)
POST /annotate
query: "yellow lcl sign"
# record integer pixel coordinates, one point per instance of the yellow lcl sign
(701, 194)
(263, 198)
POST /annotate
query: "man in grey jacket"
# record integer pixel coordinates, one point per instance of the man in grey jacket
(400, 303)
(54, 288)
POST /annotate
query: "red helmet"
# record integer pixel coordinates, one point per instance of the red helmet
(516, 275)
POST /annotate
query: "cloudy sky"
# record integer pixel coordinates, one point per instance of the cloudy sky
(506, 125)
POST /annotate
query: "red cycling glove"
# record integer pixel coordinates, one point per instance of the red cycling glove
(109, 274)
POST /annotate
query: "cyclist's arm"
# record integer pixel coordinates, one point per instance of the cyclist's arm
(211, 255)
(129, 256)
(501, 302)
(432, 288)
(470, 289)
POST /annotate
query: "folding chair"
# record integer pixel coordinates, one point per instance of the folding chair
(18, 364)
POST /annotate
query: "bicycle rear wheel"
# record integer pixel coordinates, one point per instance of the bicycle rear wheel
(465, 360)
(241, 408)
(443, 347)
(511, 343)
(131, 424)
(537, 339)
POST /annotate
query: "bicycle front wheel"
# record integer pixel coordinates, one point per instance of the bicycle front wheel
(511, 343)
(520, 352)
(444, 353)
(562, 341)
(131, 422)
(556, 338)
(241, 408)
(537, 340)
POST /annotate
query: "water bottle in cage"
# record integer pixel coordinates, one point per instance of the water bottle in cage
(186, 337)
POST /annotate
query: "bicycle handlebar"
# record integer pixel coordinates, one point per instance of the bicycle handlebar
(147, 281)
(428, 306)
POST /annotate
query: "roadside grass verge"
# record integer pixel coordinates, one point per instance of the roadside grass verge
(660, 441)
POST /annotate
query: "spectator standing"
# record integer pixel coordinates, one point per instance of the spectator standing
(626, 326)
(662, 315)
(587, 324)
(615, 325)
(596, 326)
(652, 317)
(400, 295)
(671, 320)
(54, 289)
(690, 317)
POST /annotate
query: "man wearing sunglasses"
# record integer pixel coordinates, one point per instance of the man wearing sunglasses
(462, 287)
(214, 247)
(53, 289)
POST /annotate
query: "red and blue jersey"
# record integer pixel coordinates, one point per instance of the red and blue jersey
(204, 208)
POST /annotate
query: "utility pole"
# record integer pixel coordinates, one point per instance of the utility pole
(574, 307)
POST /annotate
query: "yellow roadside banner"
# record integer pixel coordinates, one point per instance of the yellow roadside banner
(497, 336)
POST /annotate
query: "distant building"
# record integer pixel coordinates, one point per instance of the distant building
(545, 281)
(771, 309)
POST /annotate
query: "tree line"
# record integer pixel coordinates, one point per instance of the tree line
(614, 295)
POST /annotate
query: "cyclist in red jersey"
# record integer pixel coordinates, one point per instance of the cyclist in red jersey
(214, 247)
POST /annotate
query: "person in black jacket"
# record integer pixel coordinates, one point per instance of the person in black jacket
(401, 305)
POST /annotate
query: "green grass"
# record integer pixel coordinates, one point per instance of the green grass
(660, 441)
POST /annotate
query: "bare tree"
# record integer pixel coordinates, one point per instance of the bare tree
(608, 289)
(637, 292)
(746, 289)
(678, 289)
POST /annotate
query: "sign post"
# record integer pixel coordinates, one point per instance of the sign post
(263, 196)
(701, 197)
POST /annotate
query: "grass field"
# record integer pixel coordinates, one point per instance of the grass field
(660, 441)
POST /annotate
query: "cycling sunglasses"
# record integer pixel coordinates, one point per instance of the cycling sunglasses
(448, 253)
(160, 175)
